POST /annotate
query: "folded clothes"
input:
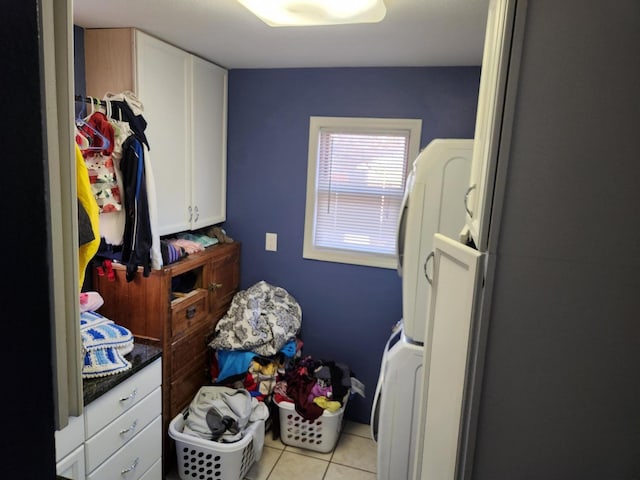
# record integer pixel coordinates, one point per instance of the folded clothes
(102, 362)
(90, 301)
(98, 331)
(204, 240)
(171, 253)
(188, 246)
(104, 344)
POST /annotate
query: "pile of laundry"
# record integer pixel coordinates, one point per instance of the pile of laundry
(104, 343)
(256, 339)
(261, 319)
(314, 386)
(255, 373)
(223, 414)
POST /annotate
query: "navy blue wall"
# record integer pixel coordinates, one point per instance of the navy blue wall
(348, 310)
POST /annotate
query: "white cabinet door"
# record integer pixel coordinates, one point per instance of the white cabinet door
(162, 84)
(497, 48)
(456, 286)
(70, 437)
(72, 466)
(209, 142)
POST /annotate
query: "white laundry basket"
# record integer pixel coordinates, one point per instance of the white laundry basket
(200, 459)
(319, 435)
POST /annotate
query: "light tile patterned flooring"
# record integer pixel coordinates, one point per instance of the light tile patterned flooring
(353, 458)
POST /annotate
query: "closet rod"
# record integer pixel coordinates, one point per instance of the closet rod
(95, 101)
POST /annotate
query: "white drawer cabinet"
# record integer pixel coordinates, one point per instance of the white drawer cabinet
(154, 473)
(70, 449)
(70, 437)
(132, 461)
(121, 398)
(104, 443)
(123, 429)
(72, 466)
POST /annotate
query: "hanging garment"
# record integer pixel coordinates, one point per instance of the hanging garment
(124, 112)
(99, 161)
(87, 202)
(112, 224)
(156, 251)
(137, 239)
(130, 110)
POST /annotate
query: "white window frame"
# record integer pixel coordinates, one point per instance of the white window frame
(351, 125)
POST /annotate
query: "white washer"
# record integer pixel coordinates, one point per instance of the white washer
(395, 409)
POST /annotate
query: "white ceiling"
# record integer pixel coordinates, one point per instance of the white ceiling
(413, 33)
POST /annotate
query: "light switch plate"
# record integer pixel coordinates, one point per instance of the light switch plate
(271, 242)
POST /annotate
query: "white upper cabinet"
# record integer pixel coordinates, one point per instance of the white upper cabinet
(185, 106)
(495, 58)
(209, 143)
(162, 85)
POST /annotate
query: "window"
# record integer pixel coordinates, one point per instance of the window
(355, 184)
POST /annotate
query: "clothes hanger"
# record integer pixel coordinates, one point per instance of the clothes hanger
(91, 133)
(110, 116)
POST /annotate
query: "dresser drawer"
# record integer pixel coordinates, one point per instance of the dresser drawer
(121, 398)
(185, 386)
(135, 458)
(100, 447)
(187, 348)
(188, 310)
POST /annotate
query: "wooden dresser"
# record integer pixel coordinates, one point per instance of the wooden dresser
(180, 306)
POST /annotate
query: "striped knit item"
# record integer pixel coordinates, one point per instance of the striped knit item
(102, 362)
(104, 345)
(98, 331)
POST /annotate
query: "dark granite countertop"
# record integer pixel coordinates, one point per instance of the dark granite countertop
(143, 353)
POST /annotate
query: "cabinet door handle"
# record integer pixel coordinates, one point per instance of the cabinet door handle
(130, 428)
(214, 286)
(191, 312)
(131, 396)
(197, 214)
(131, 467)
(190, 213)
(429, 257)
(466, 199)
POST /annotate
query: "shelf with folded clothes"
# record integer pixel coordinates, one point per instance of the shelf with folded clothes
(178, 246)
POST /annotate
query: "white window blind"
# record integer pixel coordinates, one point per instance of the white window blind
(360, 172)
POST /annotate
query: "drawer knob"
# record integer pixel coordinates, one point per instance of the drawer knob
(131, 468)
(191, 312)
(131, 396)
(130, 428)
(214, 286)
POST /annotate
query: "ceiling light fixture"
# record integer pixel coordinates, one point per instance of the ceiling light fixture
(287, 13)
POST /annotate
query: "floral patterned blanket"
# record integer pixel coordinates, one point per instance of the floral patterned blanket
(262, 319)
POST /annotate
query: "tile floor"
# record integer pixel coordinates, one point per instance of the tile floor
(353, 458)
